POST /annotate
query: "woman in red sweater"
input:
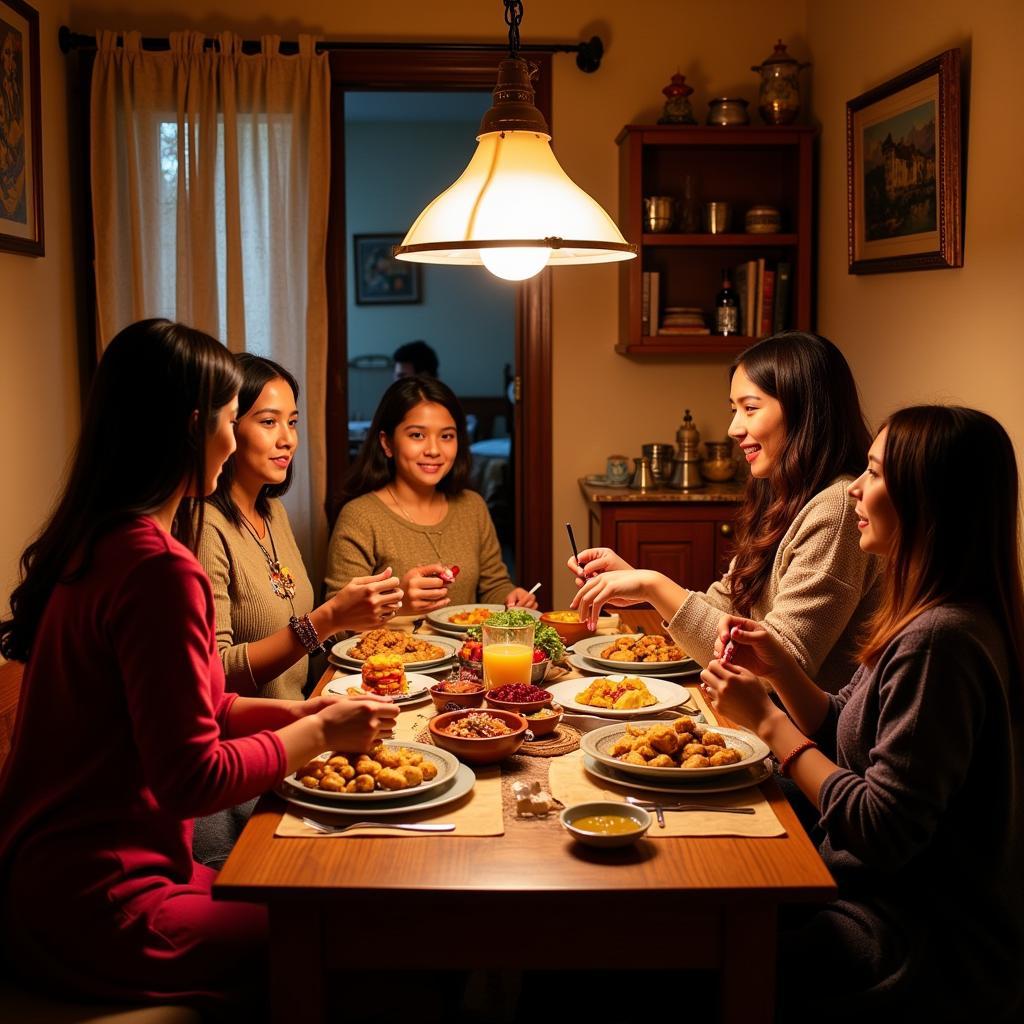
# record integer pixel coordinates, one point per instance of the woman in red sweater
(125, 732)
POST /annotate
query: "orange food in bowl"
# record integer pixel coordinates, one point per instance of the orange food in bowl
(384, 674)
(567, 625)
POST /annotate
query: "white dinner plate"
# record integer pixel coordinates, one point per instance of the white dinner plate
(340, 652)
(598, 744)
(667, 694)
(592, 646)
(592, 668)
(457, 787)
(442, 618)
(750, 776)
(447, 765)
(418, 686)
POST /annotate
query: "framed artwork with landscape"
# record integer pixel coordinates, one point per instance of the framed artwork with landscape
(904, 192)
(21, 163)
(380, 278)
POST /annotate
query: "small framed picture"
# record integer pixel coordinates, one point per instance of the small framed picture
(380, 278)
(21, 148)
(904, 192)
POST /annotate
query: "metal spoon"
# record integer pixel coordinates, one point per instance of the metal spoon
(338, 829)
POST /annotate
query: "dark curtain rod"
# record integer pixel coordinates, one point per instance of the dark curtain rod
(588, 54)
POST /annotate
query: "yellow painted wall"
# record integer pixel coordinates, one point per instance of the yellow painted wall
(939, 335)
(38, 361)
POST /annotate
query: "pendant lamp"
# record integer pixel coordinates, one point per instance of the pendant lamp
(514, 210)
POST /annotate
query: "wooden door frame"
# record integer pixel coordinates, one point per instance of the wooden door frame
(446, 71)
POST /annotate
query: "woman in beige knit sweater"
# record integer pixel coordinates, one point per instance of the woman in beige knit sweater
(266, 621)
(798, 567)
(408, 507)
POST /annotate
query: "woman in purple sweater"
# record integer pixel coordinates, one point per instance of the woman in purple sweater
(917, 765)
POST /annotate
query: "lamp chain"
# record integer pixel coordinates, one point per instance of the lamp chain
(513, 16)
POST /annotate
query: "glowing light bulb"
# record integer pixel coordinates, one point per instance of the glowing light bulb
(515, 264)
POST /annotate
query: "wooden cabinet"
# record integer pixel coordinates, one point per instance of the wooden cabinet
(689, 540)
(743, 166)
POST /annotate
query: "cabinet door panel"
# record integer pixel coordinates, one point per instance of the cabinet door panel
(683, 551)
(725, 544)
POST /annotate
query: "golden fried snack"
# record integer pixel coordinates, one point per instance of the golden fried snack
(623, 745)
(428, 770)
(332, 783)
(695, 748)
(367, 766)
(711, 737)
(684, 724)
(412, 774)
(664, 739)
(724, 757)
(635, 730)
(391, 778)
(645, 750)
(309, 781)
(633, 758)
(662, 761)
(361, 784)
(696, 761)
(386, 757)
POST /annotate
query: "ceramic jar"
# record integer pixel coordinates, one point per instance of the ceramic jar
(778, 99)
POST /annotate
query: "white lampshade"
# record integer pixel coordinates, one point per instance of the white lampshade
(514, 210)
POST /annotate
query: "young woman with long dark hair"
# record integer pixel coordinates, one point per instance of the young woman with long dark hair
(249, 552)
(124, 730)
(797, 566)
(917, 765)
(408, 507)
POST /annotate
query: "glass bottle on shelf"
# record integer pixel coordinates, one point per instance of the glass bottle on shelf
(727, 309)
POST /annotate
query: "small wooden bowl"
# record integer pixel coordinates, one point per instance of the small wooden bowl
(442, 698)
(547, 725)
(570, 632)
(488, 750)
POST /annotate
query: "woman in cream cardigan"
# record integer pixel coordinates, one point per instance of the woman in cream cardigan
(798, 567)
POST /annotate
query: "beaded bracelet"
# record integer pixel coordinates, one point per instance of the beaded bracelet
(785, 763)
(307, 634)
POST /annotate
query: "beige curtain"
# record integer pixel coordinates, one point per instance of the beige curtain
(210, 174)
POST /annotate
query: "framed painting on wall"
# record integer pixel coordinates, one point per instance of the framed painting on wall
(21, 162)
(903, 174)
(380, 278)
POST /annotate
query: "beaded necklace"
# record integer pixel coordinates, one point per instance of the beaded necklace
(282, 583)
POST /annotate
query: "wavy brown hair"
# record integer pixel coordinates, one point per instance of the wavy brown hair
(955, 543)
(137, 447)
(826, 437)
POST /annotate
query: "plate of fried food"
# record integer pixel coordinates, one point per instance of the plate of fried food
(417, 688)
(457, 618)
(674, 751)
(619, 696)
(391, 770)
(635, 652)
(416, 652)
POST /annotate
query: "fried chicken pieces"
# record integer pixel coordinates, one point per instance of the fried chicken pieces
(392, 641)
(384, 767)
(647, 648)
(680, 744)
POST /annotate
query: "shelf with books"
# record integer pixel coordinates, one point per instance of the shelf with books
(667, 295)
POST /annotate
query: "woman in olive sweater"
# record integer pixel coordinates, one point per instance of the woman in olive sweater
(917, 765)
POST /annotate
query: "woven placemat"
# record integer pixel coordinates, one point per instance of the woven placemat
(564, 740)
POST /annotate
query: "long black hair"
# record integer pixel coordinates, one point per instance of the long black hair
(137, 446)
(372, 469)
(257, 373)
(955, 543)
(826, 437)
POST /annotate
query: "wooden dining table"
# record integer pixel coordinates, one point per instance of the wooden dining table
(532, 899)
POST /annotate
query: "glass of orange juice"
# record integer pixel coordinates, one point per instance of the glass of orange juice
(508, 654)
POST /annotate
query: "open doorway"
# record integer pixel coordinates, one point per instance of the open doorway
(453, 70)
(401, 150)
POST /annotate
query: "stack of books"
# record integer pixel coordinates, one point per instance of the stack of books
(683, 320)
(763, 291)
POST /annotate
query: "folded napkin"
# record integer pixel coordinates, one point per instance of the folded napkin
(478, 813)
(570, 783)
